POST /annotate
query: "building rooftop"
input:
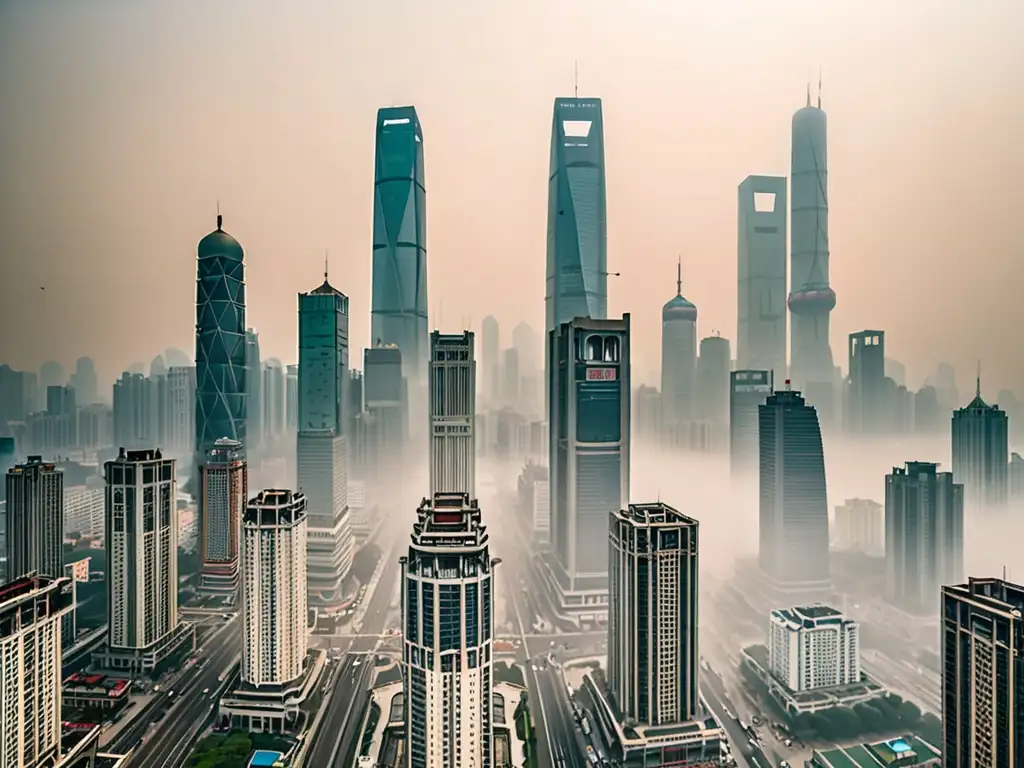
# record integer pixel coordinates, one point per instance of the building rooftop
(905, 751)
(996, 595)
(809, 616)
(449, 520)
(655, 514)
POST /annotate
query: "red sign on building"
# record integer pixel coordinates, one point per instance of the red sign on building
(601, 374)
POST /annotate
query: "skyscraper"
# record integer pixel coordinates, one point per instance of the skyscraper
(793, 551)
(141, 539)
(678, 356)
(136, 417)
(981, 452)
(452, 414)
(399, 310)
(811, 299)
(254, 390)
(221, 391)
(589, 454)
(224, 492)
(712, 391)
(761, 340)
(652, 620)
(448, 621)
(34, 523)
(84, 381)
(924, 536)
(322, 448)
(866, 408)
(32, 609)
(385, 395)
(178, 405)
(490, 357)
(982, 674)
(748, 391)
(274, 588)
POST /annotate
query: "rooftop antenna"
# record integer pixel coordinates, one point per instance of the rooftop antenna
(819, 86)
(679, 276)
(977, 381)
(575, 79)
(326, 251)
(808, 93)
(220, 219)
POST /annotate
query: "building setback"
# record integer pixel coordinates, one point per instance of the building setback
(452, 413)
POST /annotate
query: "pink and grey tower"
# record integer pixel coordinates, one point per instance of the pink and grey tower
(811, 299)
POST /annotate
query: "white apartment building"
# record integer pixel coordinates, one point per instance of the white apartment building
(813, 646)
(860, 527)
(84, 510)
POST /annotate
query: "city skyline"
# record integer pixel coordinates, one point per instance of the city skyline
(876, 161)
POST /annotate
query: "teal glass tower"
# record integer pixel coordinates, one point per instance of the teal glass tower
(220, 341)
(399, 303)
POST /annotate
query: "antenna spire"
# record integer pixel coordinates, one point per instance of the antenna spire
(977, 381)
(575, 79)
(808, 93)
(326, 251)
(220, 219)
(679, 277)
(819, 86)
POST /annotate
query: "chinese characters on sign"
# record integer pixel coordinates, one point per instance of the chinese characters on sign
(601, 374)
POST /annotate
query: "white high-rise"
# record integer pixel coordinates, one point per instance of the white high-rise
(31, 612)
(812, 647)
(447, 614)
(274, 596)
(452, 413)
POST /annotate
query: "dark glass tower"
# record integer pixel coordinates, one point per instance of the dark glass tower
(221, 392)
(399, 309)
(981, 453)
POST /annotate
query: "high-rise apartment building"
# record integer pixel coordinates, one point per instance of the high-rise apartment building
(273, 399)
(136, 411)
(84, 381)
(221, 387)
(452, 413)
(652, 618)
(678, 357)
(32, 610)
(748, 391)
(589, 417)
(860, 527)
(813, 646)
(868, 411)
(981, 452)
(84, 509)
(223, 496)
(321, 445)
(761, 306)
(793, 528)
(274, 596)
(34, 519)
(178, 411)
(924, 535)
(141, 540)
(447, 617)
(983, 674)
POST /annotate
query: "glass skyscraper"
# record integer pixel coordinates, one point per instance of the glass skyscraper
(399, 308)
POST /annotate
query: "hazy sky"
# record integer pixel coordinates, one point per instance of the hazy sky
(124, 123)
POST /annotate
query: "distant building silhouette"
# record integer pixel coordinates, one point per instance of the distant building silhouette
(981, 452)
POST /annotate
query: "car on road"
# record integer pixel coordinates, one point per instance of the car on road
(206, 691)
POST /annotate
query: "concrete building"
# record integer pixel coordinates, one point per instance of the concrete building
(452, 413)
(136, 411)
(678, 357)
(589, 456)
(34, 519)
(712, 394)
(448, 630)
(981, 453)
(868, 410)
(924, 536)
(812, 647)
(32, 610)
(761, 305)
(860, 527)
(178, 405)
(84, 509)
(983, 666)
(748, 391)
(225, 487)
(793, 530)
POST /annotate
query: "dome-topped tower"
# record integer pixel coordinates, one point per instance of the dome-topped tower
(678, 355)
(220, 244)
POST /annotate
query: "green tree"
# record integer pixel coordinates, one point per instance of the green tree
(871, 719)
(910, 713)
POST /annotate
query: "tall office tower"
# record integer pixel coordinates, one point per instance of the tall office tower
(179, 411)
(924, 535)
(983, 674)
(84, 381)
(399, 311)
(867, 409)
(589, 453)
(273, 399)
(813, 646)
(452, 414)
(678, 356)
(652, 620)
(748, 391)
(220, 341)
(793, 549)
(254, 389)
(510, 377)
(448, 621)
(811, 298)
(384, 392)
(274, 543)
(490, 357)
(141, 538)
(32, 610)
(34, 522)
(322, 451)
(17, 397)
(225, 478)
(712, 391)
(981, 452)
(761, 341)
(136, 411)
(291, 398)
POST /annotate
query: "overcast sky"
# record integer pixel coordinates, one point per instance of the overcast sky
(125, 122)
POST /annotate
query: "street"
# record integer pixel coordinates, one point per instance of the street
(339, 732)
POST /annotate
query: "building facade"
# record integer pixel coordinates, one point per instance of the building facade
(34, 519)
(761, 304)
(983, 674)
(84, 509)
(748, 391)
(452, 414)
(812, 647)
(981, 453)
(678, 357)
(653, 653)
(225, 479)
(867, 408)
(924, 536)
(274, 600)
(859, 526)
(448, 622)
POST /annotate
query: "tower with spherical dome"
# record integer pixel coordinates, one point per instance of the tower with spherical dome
(678, 357)
(811, 298)
(220, 341)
